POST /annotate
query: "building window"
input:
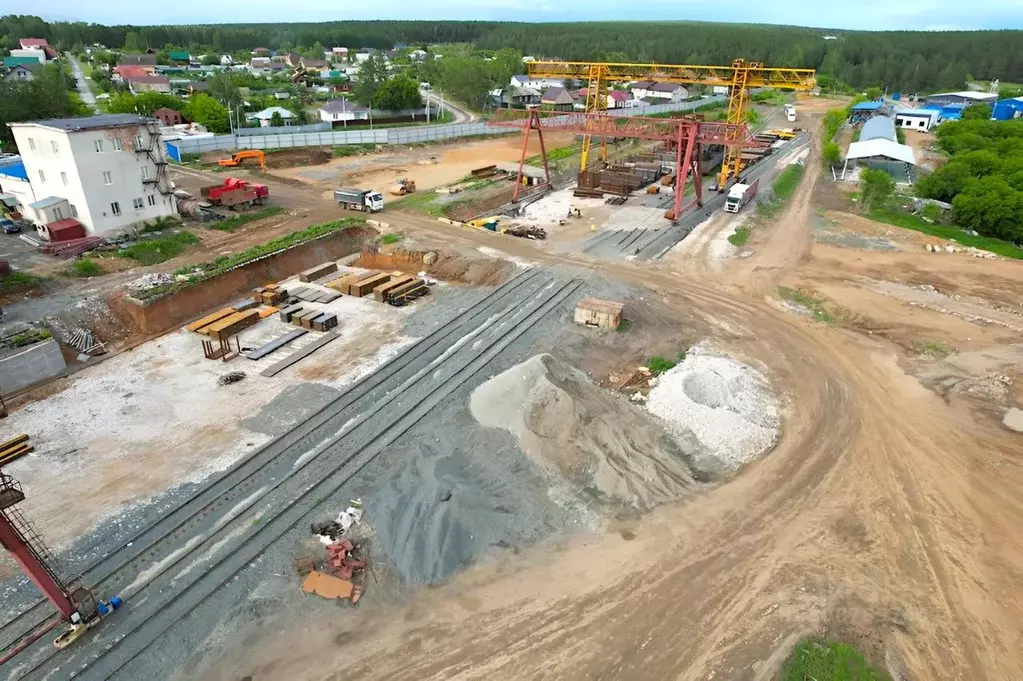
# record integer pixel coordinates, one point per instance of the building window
(145, 172)
(31, 144)
(58, 213)
(137, 203)
(63, 178)
(138, 142)
(115, 208)
(53, 145)
(74, 211)
(117, 144)
(922, 123)
(99, 146)
(152, 200)
(42, 176)
(107, 178)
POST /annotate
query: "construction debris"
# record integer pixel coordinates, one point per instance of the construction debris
(149, 281)
(332, 588)
(535, 233)
(84, 341)
(231, 377)
(72, 247)
(332, 530)
(341, 559)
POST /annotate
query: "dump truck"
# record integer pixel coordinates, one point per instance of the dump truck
(739, 195)
(235, 193)
(359, 199)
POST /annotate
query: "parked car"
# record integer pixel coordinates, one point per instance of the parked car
(9, 226)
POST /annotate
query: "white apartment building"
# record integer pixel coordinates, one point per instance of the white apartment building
(108, 171)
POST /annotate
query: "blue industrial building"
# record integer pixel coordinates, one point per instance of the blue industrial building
(1008, 109)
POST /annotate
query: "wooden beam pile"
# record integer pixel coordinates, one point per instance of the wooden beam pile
(314, 273)
(271, 294)
(15, 448)
(231, 325)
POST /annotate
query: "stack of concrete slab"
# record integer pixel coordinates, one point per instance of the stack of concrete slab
(314, 273)
(310, 294)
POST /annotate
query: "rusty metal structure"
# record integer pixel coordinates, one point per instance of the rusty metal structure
(684, 135)
(739, 78)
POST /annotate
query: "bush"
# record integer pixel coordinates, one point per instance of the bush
(740, 236)
(18, 281)
(876, 189)
(391, 238)
(828, 661)
(153, 251)
(84, 267)
(658, 365)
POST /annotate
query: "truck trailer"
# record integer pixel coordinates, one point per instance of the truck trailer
(359, 199)
(739, 195)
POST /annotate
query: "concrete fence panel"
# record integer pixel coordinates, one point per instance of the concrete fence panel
(29, 365)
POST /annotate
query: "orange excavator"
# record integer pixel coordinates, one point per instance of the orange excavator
(237, 159)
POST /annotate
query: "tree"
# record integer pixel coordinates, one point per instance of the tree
(832, 153)
(372, 75)
(876, 189)
(397, 94)
(276, 120)
(207, 111)
(222, 87)
(977, 112)
(991, 207)
(210, 59)
(144, 103)
(133, 42)
(874, 93)
(47, 95)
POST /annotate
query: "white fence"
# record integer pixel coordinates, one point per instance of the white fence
(406, 135)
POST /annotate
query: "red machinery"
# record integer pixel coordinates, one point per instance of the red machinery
(235, 193)
(685, 135)
(76, 605)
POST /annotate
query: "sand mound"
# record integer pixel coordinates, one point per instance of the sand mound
(726, 405)
(602, 444)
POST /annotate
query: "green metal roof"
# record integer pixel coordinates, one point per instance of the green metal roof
(11, 62)
(178, 55)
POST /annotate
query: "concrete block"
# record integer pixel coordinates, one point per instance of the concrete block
(30, 365)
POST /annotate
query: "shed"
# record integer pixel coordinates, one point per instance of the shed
(606, 314)
(967, 97)
(864, 110)
(878, 128)
(64, 230)
(881, 148)
(1007, 109)
(917, 119)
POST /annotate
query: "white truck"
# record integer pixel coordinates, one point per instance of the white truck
(359, 199)
(739, 195)
(790, 113)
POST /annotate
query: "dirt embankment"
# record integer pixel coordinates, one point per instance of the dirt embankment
(448, 266)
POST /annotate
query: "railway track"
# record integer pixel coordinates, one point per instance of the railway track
(307, 470)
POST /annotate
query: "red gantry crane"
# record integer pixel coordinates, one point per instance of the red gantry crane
(684, 135)
(75, 604)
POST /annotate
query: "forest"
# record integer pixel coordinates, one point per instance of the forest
(983, 179)
(909, 61)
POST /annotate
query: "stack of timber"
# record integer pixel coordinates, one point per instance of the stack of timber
(365, 286)
(381, 291)
(343, 284)
(271, 294)
(198, 325)
(231, 325)
(314, 319)
(406, 293)
(15, 448)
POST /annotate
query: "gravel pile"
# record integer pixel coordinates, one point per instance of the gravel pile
(726, 405)
(603, 446)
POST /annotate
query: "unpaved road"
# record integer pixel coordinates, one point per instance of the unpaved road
(885, 516)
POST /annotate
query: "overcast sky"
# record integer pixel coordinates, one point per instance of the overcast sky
(864, 14)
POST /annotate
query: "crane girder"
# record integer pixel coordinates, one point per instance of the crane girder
(756, 74)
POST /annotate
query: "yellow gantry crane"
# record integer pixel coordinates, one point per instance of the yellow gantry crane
(739, 78)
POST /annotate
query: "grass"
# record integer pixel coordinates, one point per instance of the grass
(740, 236)
(787, 182)
(219, 265)
(658, 365)
(421, 202)
(241, 219)
(824, 660)
(19, 281)
(770, 97)
(160, 224)
(153, 251)
(391, 238)
(809, 301)
(935, 349)
(553, 155)
(84, 267)
(909, 221)
(353, 150)
(27, 337)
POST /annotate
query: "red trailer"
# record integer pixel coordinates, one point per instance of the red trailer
(62, 230)
(235, 193)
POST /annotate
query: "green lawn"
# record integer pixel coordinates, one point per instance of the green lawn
(952, 233)
(84, 267)
(822, 660)
(18, 281)
(420, 202)
(153, 251)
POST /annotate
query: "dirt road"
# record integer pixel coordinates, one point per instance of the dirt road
(885, 516)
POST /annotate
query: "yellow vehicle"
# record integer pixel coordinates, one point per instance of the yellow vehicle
(403, 186)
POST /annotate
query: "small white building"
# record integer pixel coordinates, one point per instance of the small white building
(362, 57)
(340, 52)
(109, 171)
(669, 92)
(265, 117)
(31, 52)
(341, 110)
(917, 119)
(536, 82)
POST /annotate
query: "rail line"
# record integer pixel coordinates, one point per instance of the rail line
(241, 475)
(493, 339)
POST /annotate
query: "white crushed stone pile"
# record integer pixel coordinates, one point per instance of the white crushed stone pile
(727, 405)
(148, 281)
